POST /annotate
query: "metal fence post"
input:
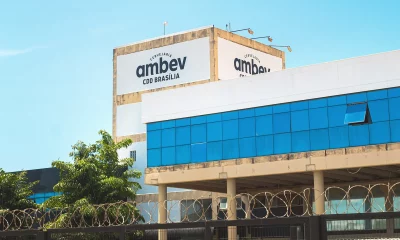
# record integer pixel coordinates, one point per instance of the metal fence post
(207, 232)
(316, 228)
(42, 235)
(122, 234)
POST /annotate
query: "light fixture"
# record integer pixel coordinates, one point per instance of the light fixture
(244, 29)
(288, 47)
(269, 38)
(165, 24)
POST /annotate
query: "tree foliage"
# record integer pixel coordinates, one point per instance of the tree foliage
(96, 176)
(15, 190)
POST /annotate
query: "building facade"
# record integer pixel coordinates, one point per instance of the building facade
(47, 178)
(179, 60)
(255, 126)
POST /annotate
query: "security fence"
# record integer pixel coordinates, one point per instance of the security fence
(356, 212)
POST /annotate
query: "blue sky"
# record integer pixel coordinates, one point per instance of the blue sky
(56, 56)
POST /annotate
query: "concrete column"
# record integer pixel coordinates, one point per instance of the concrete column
(231, 200)
(246, 202)
(162, 210)
(214, 206)
(319, 194)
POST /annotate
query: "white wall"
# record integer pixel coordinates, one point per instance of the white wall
(129, 120)
(327, 79)
(141, 164)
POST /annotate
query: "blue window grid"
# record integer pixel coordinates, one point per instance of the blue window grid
(309, 125)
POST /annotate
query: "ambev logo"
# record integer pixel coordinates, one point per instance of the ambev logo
(166, 67)
(249, 67)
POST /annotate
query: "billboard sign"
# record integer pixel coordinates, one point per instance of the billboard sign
(235, 60)
(165, 66)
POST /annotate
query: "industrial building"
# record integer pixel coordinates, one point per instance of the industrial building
(211, 112)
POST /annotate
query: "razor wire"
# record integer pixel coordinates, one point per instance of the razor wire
(279, 204)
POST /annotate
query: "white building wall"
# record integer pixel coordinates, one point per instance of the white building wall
(334, 78)
(129, 120)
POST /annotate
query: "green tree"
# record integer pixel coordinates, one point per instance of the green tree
(96, 176)
(15, 190)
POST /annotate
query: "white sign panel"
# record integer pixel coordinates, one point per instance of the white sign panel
(165, 66)
(235, 60)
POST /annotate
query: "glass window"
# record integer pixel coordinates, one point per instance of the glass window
(379, 133)
(168, 137)
(182, 135)
(379, 110)
(214, 131)
(154, 139)
(299, 120)
(319, 139)
(281, 123)
(317, 103)
(230, 129)
(230, 149)
(246, 113)
(247, 127)
(335, 115)
(296, 106)
(394, 106)
(168, 156)
(230, 115)
(356, 98)
(214, 151)
(247, 147)
(301, 141)
(263, 110)
(183, 154)
(199, 133)
(198, 120)
(336, 100)
(280, 108)
(132, 154)
(395, 131)
(199, 152)
(282, 143)
(356, 113)
(214, 117)
(154, 157)
(376, 95)
(318, 118)
(264, 125)
(358, 135)
(168, 124)
(182, 122)
(153, 126)
(339, 137)
(394, 92)
(265, 145)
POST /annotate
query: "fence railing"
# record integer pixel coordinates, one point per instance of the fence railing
(263, 205)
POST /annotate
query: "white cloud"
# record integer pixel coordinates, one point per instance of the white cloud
(15, 52)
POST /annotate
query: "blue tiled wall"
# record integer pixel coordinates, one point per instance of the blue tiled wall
(284, 128)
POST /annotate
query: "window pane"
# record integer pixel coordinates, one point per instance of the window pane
(168, 156)
(199, 152)
(183, 154)
(355, 113)
(168, 137)
(214, 131)
(214, 151)
(183, 135)
(247, 127)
